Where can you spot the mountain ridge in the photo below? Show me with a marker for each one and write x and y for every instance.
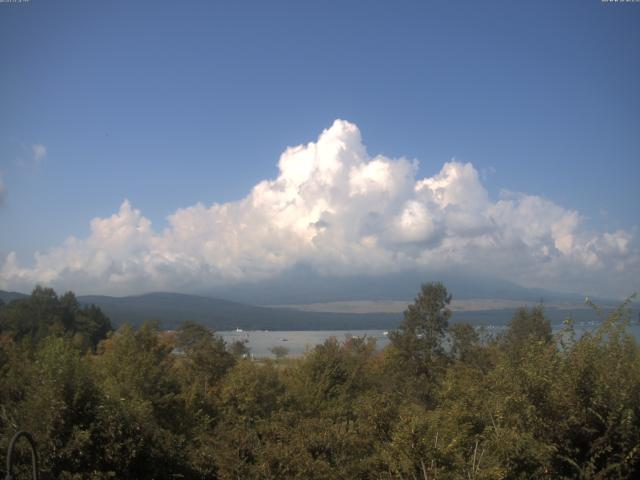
(171, 309)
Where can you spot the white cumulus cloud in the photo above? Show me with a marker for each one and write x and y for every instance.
(339, 210)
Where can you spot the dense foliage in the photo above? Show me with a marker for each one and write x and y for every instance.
(441, 401)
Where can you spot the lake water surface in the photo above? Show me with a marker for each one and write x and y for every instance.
(299, 341)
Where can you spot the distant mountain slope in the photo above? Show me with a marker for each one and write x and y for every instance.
(303, 286)
(7, 297)
(173, 308)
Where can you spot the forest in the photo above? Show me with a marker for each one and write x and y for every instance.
(444, 400)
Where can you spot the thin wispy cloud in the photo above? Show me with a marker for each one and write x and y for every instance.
(39, 151)
(3, 190)
(341, 211)
(30, 155)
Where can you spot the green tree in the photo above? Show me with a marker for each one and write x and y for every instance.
(53, 395)
(598, 436)
(418, 354)
(205, 358)
(239, 349)
(527, 326)
(43, 313)
(251, 394)
(279, 351)
(141, 419)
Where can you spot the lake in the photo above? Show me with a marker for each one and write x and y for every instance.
(300, 341)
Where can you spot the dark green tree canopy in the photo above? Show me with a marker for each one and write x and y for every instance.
(425, 324)
(205, 353)
(445, 402)
(528, 325)
(43, 313)
(418, 345)
(429, 314)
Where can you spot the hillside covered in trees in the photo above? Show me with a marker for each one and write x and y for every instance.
(442, 401)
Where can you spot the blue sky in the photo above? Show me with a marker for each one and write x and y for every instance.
(168, 104)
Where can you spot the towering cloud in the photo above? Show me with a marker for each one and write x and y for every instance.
(340, 211)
